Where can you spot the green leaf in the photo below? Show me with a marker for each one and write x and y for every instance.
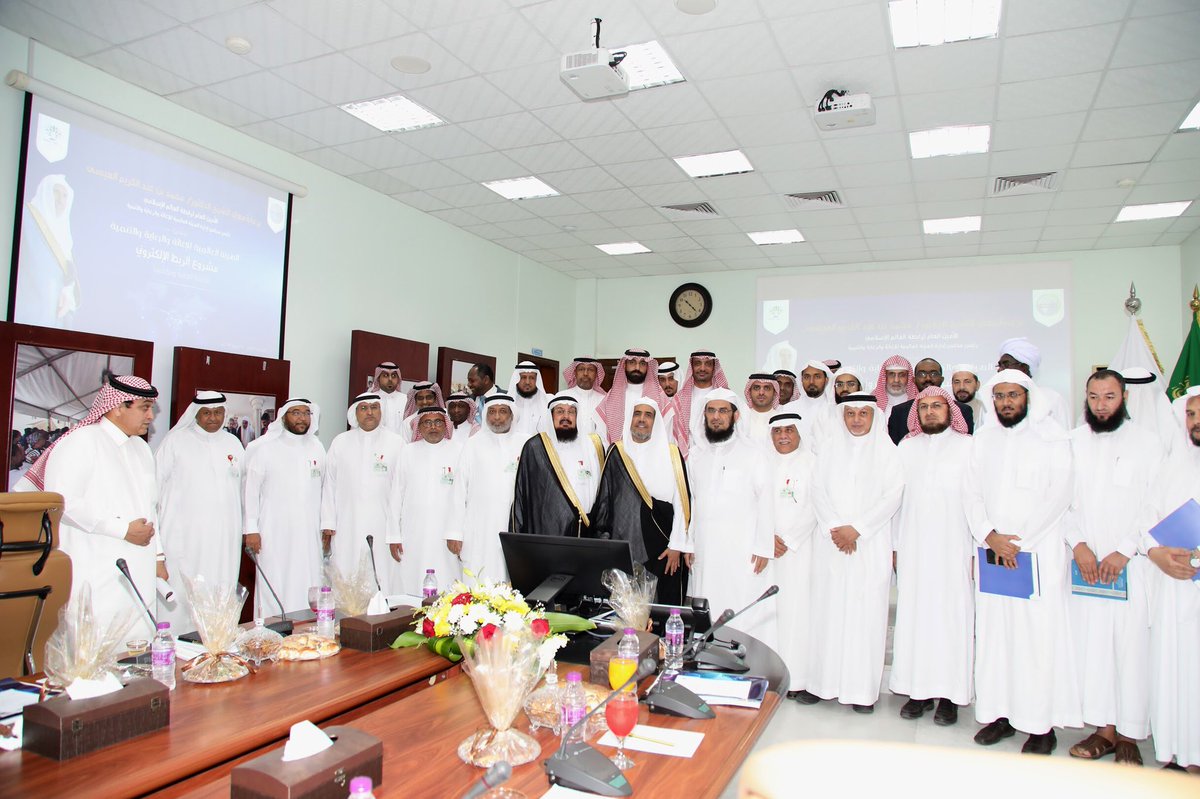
(446, 647)
(568, 623)
(408, 638)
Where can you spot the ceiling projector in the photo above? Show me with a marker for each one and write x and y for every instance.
(839, 111)
(594, 74)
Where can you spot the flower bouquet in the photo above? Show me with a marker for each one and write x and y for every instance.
(504, 666)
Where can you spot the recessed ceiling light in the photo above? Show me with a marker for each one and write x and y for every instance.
(1126, 183)
(957, 224)
(394, 113)
(955, 140)
(791, 236)
(648, 65)
(1193, 119)
(1133, 213)
(410, 64)
(237, 44)
(696, 7)
(922, 23)
(623, 248)
(731, 162)
(521, 188)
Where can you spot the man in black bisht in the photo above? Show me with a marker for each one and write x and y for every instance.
(643, 499)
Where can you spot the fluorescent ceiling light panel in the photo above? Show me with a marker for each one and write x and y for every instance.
(623, 248)
(955, 140)
(1133, 213)
(521, 188)
(957, 224)
(648, 65)
(731, 162)
(1193, 119)
(924, 23)
(394, 113)
(762, 237)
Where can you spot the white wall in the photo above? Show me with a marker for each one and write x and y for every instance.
(358, 258)
(635, 309)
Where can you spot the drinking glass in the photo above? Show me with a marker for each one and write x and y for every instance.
(621, 713)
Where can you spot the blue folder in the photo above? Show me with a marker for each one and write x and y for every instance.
(1180, 529)
(1022, 582)
(1117, 589)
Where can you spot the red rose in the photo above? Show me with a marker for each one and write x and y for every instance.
(487, 631)
(540, 627)
(464, 598)
(427, 628)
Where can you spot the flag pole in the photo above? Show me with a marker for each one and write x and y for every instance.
(1133, 307)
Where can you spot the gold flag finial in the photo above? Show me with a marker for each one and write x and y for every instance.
(1195, 303)
(1133, 304)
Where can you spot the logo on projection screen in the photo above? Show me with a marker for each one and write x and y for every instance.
(53, 136)
(775, 316)
(1048, 307)
(276, 214)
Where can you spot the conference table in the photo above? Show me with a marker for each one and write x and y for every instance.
(419, 705)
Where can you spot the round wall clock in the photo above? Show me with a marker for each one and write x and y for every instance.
(690, 305)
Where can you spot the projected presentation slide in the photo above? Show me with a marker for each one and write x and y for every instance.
(124, 236)
(957, 316)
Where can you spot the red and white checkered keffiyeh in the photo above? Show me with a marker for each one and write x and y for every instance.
(569, 373)
(683, 399)
(110, 396)
(411, 406)
(415, 422)
(893, 364)
(386, 366)
(957, 423)
(761, 377)
(612, 407)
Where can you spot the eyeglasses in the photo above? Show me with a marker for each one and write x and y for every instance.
(719, 411)
(432, 423)
(932, 406)
(930, 373)
(298, 412)
(1012, 395)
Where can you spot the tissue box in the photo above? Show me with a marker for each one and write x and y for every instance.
(62, 728)
(373, 633)
(647, 643)
(325, 775)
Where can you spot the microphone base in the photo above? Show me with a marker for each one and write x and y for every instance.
(283, 626)
(672, 699)
(583, 768)
(718, 660)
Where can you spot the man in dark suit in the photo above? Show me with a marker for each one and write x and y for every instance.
(927, 372)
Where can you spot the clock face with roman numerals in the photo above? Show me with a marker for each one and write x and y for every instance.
(690, 305)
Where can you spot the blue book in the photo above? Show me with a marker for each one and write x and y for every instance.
(1022, 582)
(1117, 589)
(1180, 529)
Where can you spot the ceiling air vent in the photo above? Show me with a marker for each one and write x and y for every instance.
(1025, 184)
(814, 199)
(692, 209)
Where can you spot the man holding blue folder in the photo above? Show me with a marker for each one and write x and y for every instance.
(1116, 463)
(1017, 492)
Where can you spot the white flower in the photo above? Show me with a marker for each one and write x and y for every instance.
(456, 613)
(466, 626)
(513, 621)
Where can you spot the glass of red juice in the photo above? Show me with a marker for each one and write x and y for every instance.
(621, 713)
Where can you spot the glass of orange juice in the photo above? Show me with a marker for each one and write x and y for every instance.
(620, 670)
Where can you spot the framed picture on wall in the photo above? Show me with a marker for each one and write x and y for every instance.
(453, 365)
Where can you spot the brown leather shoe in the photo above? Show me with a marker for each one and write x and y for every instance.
(1042, 744)
(1128, 753)
(995, 732)
(1093, 747)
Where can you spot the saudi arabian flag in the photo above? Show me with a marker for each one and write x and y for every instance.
(1187, 368)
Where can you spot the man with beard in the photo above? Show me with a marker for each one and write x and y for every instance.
(481, 381)
(557, 476)
(629, 385)
(392, 401)
(283, 506)
(461, 409)
(1024, 356)
(935, 609)
(1017, 493)
(529, 397)
(425, 394)
(1116, 465)
(357, 497)
(856, 493)
(425, 502)
(845, 384)
(704, 375)
(668, 378)
(894, 385)
(762, 398)
(927, 372)
(786, 379)
(643, 499)
(1175, 619)
(584, 376)
(814, 402)
(964, 384)
(733, 524)
(483, 491)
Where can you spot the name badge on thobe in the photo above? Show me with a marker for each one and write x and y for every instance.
(447, 476)
(787, 492)
(511, 468)
(314, 470)
(234, 471)
(584, 472)
(380, 466)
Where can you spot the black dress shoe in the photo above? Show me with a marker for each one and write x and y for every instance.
(1042, 744)
(947, 713)
(804, 697)
(863, 708)
(995, 732)
(915, 708)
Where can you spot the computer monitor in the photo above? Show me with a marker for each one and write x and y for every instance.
(543, 566)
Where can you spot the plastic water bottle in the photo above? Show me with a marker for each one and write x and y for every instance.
(162, 656)
(429, 585)
(325, 612)
(362, 788)
(628, 650)
(674, 641)
(574, 708)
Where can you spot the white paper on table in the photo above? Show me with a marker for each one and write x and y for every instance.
(560, 792)
(305, 740)
(378, 605)
(658, 741)
(7, 743)
(89, 689)
(396, 600)
(186, 650)
(14, 700)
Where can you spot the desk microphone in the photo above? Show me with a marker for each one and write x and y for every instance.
(284, 626)
(375, 571)
(582, 767)
(498, 773)
(700, 652)
(124, 567)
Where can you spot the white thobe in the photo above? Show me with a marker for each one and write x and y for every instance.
(1019, 483)
(483, 497)
(529, 412)
(425, 503)
(361, 471)
(934, 643)
(582, 466)
(859, 484)
(791, 492)
(1059, 410)
(588, 421)
(200, 513)
(732, 521)
(757, 425)
(107, 481)
(283, 505)
(391, 407)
